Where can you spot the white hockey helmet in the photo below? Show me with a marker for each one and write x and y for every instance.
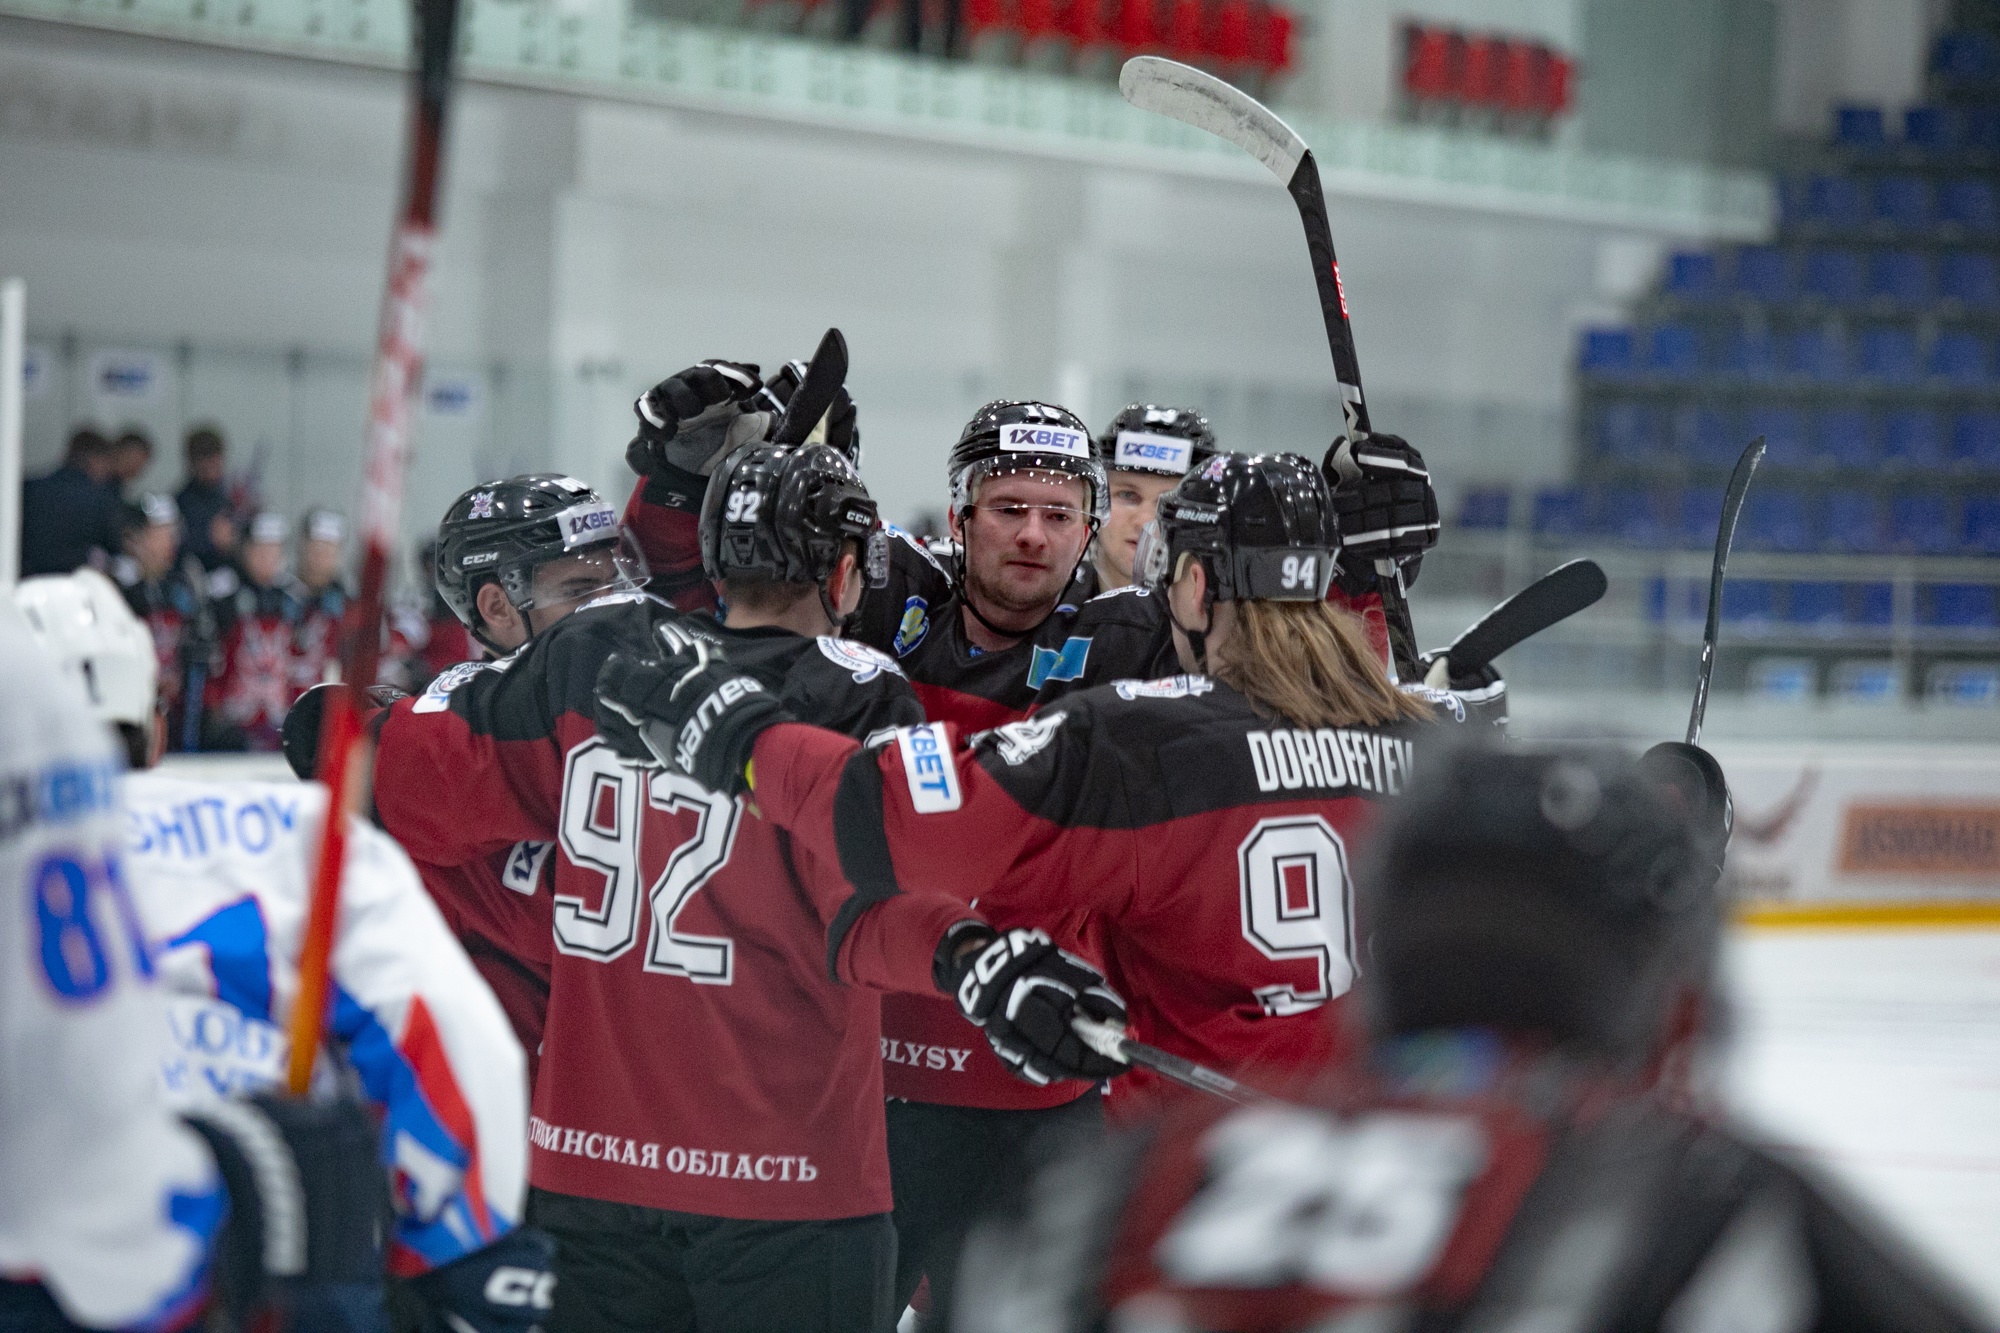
(83, 621)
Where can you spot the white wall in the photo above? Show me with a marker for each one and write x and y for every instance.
(1849, 51)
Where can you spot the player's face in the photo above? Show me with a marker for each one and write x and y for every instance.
(563, 584)
(1135, 499)
(319, 563)
(263, 562)
(153, 546)
(1024, 534)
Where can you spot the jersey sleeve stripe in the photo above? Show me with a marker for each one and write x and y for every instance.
(863, 845)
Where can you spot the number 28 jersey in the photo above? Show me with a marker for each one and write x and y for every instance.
(1200, 852)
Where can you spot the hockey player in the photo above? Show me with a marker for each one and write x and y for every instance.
(1197, 832)
(322, 597)
(1544, 931)
(158, 594)
(1145, 452)
(253, 686)
(217, 873)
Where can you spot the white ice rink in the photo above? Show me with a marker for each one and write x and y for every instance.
(1878, 1052)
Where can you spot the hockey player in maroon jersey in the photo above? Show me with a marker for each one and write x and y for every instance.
(1196, 831)
(253, 687)
(164, 597)
(322, 597)
(1145, 451)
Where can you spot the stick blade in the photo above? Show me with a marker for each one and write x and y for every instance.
(816, 392)
(1550, 599)
(1195, 97)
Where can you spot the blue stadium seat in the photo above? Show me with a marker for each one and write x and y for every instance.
(1981, 533)
(1629, 432)
(1982, 126)
(1749, 352)
(1903, 202)
(1837, 277)
(1693, 275)
(1704, 437)
(1856, 126)
(1842, 437)
(1633, 515)
(1821, 605)
(1561, 512)
(1966, 56)
(1961, 358)
(1762, 273)
(1899, 277)
(1784, 432)
(1486, 508)
(1836, 202)
(1912, 438)
(1871, 605)
(1816, 353)
(1975, 441)
(1934, 129)
(1968, 278)
(1957, 606)
(1674, 351)
(1969, 203)
(1774, 520)
(1700, 515)
(1750, 602)
(1607, 352)
(1888, 354)
(1849, 522)
(1920, 524)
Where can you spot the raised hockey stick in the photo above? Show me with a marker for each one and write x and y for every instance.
(399, 364)
(1184, 93)
(1554, 597)
(1113, 1043)
(1725, 537)
(816, 391)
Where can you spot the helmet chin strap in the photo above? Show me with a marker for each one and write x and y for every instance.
(1197, 638)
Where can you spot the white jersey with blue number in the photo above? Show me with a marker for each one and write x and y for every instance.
(105, 1197)
(220, 871)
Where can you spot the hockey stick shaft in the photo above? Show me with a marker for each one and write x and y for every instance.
(398, 371)
(1113, 1043)
(1725, 537)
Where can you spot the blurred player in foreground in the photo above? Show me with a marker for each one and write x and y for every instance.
(1517, 1153)
(217, 873)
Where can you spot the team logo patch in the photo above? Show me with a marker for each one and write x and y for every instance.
(1214, 469)
(1066, 663)
(437, 695)
(1045, 440)
(916, 624)
(524, 866)
(482, 505)
(1173, 687)
(859, 658)
(1144, 451)
(928, 767)
(1018, 742)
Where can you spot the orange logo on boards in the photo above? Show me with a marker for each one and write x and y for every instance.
(1920, 839)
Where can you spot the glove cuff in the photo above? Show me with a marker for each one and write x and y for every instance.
(947, 966)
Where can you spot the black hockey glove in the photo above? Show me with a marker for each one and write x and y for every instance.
(1388, 509)
(1478, 698)
(1024, 991)
(688, 423)
(842, 429)
(507, 1287)
(298, 737)
(308, 1200)
(690, 711)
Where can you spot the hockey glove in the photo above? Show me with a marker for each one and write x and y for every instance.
(507, 1287)
(298, 737)
(1477, 698)
(691, 711)
(308, 1199)
(1024, 991)
(841, 431)
(1388, 509)
(689, 422)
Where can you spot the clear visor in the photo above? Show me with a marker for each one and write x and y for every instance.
(875, 556)
(1150, 563)
(575, 577)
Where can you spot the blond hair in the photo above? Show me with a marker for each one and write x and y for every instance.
(1310, 663)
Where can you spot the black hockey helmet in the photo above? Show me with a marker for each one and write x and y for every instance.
(784, 513)
(501, 531)
(1146, 437)
(1007, 436)
(1561, 893)
(1262, 526)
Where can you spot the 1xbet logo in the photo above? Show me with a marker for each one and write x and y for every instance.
(1042, 438)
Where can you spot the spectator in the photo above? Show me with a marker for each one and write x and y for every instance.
(131, 455)
(70, 518)
(204, 501)
(322, 596)
(174, 609)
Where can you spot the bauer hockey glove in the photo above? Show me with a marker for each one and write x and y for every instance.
(689, 422)
(691, 711)
(1024, 991)
(1387, 507)
(842, 430)
(1477, 698)
(507, 1287)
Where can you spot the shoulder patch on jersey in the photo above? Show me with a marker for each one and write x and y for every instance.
(524, 866)
(1018, 742)
(1444, 699)
(1065, 663)
(865, 662)
(1129, 590)
(1173, 687)
(437, 695)
(928, 767)
(916, 624)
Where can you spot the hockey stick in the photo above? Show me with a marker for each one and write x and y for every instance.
(1725, 537)
(1554, 597)
(1181, 92)
(1113, 1043)
(816, 392)
(399, 362)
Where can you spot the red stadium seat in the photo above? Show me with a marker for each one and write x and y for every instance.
(1134, 28)
(1232, 45)
(1184, 31)
(1427, 68)
(1274, 51)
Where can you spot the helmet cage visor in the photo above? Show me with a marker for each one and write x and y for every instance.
(1097, 497)
(611, 562)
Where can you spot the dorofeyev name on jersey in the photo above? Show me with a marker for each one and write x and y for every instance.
(1331, 757)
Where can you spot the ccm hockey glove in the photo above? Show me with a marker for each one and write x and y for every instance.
(1477, 698)
(690, 711)
(1024, 991)
(1388, 509)
(507, 1287)
(689, 422)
